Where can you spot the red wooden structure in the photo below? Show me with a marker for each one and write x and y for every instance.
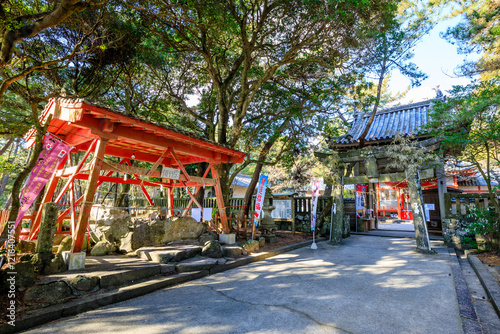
(102, 132)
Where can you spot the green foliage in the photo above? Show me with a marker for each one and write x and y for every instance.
(468, 242)
(407, 155)
(478, 32)
(484, 221)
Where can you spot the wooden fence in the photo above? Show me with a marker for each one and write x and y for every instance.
(457, 206)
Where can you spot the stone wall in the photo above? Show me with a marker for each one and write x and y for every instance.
(455, 233)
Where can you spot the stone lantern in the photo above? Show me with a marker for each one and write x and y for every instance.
(267, 226)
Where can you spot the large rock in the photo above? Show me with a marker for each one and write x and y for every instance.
(47, 294)
(41, 260)
(58, 238)
(102, 248)
(212, 249)
(112, 224)
(84, 283)
(207, 236)
(26, 246)
(24, 277)
(55, 266)
(159, 232)
(65, 244)
(250, 245)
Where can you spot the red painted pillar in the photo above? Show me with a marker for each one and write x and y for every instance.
(170, 196)
(88, 200)
(220, 201)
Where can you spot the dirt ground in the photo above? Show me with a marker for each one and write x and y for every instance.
(489, 258)
(286, 238)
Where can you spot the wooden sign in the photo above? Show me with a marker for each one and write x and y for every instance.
(170, 173)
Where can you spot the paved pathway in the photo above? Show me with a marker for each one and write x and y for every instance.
(367, 285)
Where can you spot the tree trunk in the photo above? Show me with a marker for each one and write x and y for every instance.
(202, 167)
(6, 146)
(258, 168)
(375, 107)
(6, 177)
(417, 206)
(18, 182)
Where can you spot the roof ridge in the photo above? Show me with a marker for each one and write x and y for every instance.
(401, 107)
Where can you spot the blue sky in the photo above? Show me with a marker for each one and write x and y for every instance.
(437, 58)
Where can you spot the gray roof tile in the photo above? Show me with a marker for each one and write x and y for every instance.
(405, 120)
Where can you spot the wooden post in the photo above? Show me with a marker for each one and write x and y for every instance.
(293, 214)
(170, 199)
(417, 206)
(220, 201)
(338, 200)
(442, 189)
(88, 201)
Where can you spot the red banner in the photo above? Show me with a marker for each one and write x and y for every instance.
(52, 153)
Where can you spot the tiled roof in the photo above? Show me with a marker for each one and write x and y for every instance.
(241, 180)
(405, 119)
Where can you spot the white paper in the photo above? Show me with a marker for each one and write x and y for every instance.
(207, 214)
(196, 214)
(430, 206)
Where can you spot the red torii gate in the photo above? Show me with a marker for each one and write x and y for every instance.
(104, 132)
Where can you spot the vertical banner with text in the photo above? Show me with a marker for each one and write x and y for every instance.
(361, 190)
(259, 201)
(53, 152)
(315, 184)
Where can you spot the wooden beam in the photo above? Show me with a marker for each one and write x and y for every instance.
(112, 166)
(181, 167)
(77, 170)
(83, 219)
(157, 163)
(220, 200)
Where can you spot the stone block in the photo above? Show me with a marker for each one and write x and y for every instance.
(196, 264)
(75, 261)
(167, 269)
(212, 249)
(232, 251)
(227, 239)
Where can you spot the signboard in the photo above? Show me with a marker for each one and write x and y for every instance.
(283, 209)
(170, 173)
(259, 201)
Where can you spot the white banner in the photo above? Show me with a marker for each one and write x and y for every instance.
(316, 183)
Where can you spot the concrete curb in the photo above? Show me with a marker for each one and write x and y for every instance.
(489, 283)
(87, 303)
(468, 316)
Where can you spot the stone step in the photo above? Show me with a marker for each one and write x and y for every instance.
(197, 264)
(169, 254)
